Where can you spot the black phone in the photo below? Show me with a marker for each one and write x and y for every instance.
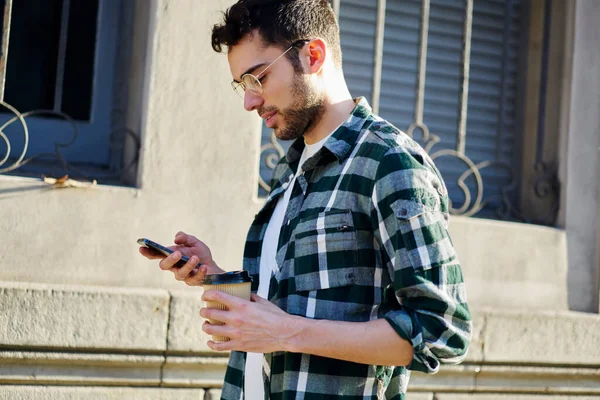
(162, 250)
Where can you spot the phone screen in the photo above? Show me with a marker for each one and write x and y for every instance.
(162, 250)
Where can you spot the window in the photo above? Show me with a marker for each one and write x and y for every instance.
(64, 72)
(491, 133)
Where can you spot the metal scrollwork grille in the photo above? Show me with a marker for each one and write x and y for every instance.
(15, 131)
(57, 158)
(465, 177)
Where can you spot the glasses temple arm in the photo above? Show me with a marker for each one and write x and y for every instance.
(273, 62)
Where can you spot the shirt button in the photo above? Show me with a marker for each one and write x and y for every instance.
(438, 187)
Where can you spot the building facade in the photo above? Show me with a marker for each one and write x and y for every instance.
(120, 123)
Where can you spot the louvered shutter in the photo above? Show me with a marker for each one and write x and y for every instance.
(491, 127)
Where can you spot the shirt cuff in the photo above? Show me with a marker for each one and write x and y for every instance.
(409, 328)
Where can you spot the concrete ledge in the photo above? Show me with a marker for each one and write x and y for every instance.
(84, 369)
(213, 394)
(185, 325)
(511, 379)
(50, 316)
(87, 370)
(53, 317)
(194, 371)
(419, 396)
(96, 393)
(534, 338)
(532, 274)
(487, 396)
(17, 367)
(78, 336)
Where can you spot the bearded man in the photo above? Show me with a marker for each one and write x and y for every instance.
(355, 278)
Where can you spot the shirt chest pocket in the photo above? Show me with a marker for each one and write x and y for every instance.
(325, 251)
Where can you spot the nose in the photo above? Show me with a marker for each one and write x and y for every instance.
(252, 101)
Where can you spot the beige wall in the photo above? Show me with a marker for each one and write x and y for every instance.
(581, 197)
(196, 173)
(69, 264)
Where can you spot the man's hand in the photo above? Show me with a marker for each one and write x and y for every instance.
(193, 248)
(259, 326)
(256, 326)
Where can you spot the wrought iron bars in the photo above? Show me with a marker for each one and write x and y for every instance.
(473, 193)
(118, 131)
(5, 37)
(3, 62)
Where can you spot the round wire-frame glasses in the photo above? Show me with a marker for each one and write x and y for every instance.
(252, 83)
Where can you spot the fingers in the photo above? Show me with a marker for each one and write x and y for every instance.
(197, 275)
(239, 324)
(183, 239)
(230, 301)
(191, 267)
(214, 314)
(191, 273)
(221, 346)
(257, 299)
(169, 262)
(149, 254)
(221, 330)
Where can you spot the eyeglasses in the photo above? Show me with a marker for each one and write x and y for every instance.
(252, 83)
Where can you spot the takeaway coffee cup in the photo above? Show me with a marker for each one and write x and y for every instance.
(235, 283)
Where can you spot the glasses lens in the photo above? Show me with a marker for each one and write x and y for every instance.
(252, 83)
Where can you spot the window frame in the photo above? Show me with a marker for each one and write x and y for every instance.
(117, 122)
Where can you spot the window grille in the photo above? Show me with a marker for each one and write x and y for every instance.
(445, 72)
(60, 112)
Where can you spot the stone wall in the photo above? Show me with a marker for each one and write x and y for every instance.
(83, 315)
(111, 343)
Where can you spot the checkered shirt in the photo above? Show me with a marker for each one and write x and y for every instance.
(365, 236)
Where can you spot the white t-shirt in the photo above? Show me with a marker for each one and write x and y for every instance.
(253, 381)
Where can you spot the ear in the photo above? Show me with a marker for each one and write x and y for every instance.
(316, 54)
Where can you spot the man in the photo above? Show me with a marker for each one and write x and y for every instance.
(356, 281)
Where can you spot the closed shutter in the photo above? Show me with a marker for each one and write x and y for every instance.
(491, 113)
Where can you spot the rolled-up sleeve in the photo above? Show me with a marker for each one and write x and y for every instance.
(411, 206)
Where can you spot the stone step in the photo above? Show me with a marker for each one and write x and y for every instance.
(97, 336)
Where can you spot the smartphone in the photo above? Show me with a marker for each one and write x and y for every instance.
(162, 250)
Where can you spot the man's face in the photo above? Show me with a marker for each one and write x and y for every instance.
(290, 103)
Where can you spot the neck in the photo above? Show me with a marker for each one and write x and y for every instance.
(338, 105)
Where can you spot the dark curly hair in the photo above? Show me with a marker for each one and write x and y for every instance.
(280, 22)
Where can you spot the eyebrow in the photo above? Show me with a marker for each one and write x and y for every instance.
(251, 69)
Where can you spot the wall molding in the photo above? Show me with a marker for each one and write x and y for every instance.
(151, 338)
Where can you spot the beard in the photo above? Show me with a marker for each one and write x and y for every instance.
(306, 110)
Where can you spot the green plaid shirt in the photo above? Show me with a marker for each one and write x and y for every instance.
(364, 237)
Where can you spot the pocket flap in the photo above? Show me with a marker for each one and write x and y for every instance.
(407, 209)
(325, 223)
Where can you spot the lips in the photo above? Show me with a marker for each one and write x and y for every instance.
(269, 118)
